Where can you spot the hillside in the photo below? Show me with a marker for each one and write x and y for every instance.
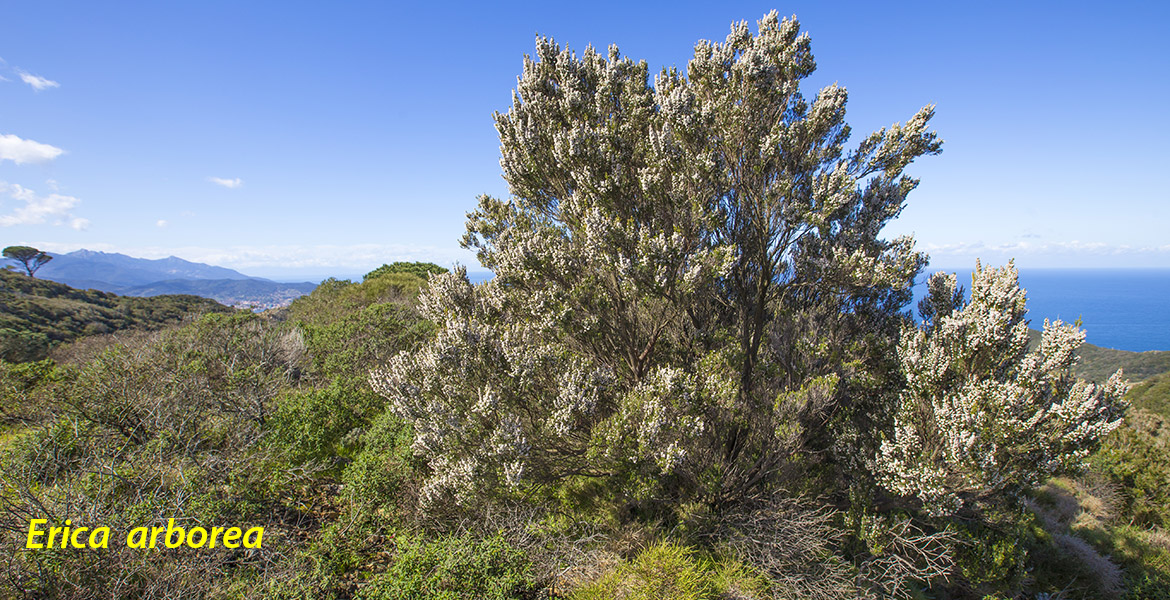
(36, 315)
(1097, 363)
(1153, 394)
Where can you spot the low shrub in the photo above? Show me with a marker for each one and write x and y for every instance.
(452, 568)
(669, 570)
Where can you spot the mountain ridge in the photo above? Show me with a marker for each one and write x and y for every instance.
(120, 269)
(131, 276)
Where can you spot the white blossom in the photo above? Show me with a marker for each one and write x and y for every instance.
(981, 415)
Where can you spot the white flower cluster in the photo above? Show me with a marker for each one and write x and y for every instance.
(981, 415)
(487, 401)
(661, 419)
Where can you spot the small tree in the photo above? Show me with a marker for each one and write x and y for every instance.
(31, 258)
(982, 418)
(690, 281)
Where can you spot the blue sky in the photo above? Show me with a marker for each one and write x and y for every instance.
(298, 140)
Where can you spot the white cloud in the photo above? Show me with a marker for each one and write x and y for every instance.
(1027, 248)
(56, 209)
(161, 223)
(227, 183)
(22, 151)
(1072, 253)
(37, 82)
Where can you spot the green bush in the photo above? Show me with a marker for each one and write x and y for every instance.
(383, 470)
(993, 555)
(312, 424)
(21, 346)
(420, 270)
(27, 391)
(351, 344)
(1137, 457)
(452, 568)
(668, 570)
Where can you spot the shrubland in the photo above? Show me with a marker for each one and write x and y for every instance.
(39, 315)
(694, 375)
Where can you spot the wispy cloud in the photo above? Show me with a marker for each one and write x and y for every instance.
(1027, 248)
(20, 151)
(161, 223)
(227, 183)
(37, 82)
(1072, 253)
(56, 209)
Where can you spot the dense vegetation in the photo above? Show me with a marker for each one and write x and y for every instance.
(37, 315)
(694, 376)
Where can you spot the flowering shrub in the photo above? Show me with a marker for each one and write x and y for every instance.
(689, 281)
(981, 415)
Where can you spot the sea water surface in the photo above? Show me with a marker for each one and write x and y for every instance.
(1126, 309)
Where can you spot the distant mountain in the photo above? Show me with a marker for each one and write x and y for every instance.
(129, 276)
(118, 270)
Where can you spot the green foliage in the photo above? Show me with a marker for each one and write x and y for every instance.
(452, 568)
(21, 346)
(27, 390)
(312, 424)
(354, 341)
(380, 478)
(668, 570)
(993, 556)
(418, 269)
(1137, 457)
(52, 451)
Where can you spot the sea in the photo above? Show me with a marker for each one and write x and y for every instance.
(1125, 309)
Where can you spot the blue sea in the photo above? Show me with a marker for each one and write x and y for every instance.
(1126, 309)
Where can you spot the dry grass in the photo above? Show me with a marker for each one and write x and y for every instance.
(1102, 571)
